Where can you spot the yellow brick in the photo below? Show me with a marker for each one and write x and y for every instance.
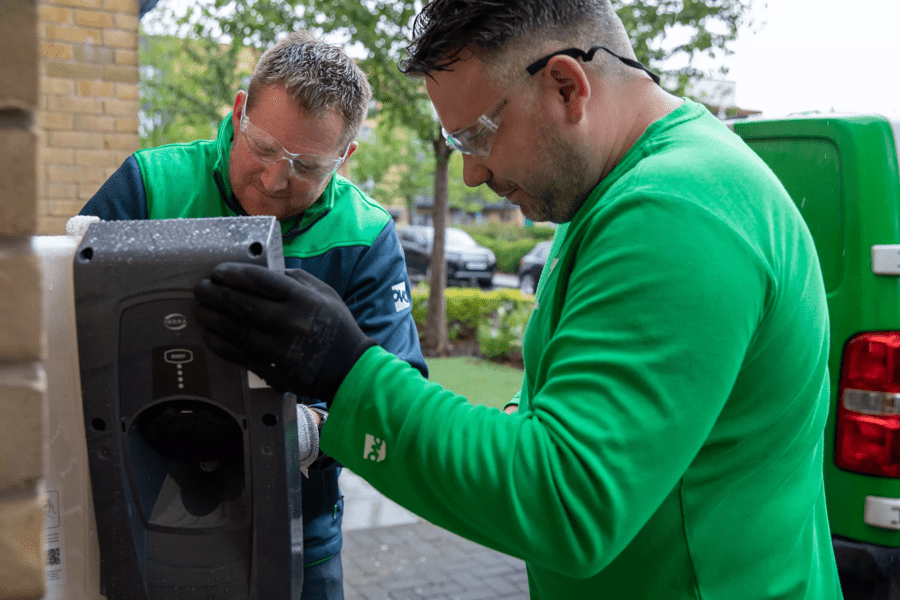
(52, 120)
(93, 18)
(52, 225)
(127, 91)
(75, 139)
(99, 158)
(62, 191)
(127, 125)
(81, 3)
(93, 54)
(57, 86)
(122, 108)
(19, 55)
(86, 191)
(21, 547)
(18, 185)
(56, 156)
(73, 34)
(73, 70)
(22, 386)
(119, 38)
(65, 208)
(59, 51)
(121, 74)
(127, 142)
(125, 6)
(129, 22)
(20, 307)
(75, 174)
(95, 88)
(55, 14)
(75, 105)
(92, 123)
(127, 57)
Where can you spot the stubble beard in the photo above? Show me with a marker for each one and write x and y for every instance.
(565, 187)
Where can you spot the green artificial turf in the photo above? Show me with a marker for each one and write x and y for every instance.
(480, 381)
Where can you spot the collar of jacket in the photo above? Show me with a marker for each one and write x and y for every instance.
(290, 227)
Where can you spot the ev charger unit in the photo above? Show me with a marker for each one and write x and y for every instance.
(194, 476)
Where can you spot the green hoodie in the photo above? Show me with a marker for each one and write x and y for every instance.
(669, 439)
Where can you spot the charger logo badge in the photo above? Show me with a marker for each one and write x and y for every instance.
(375, 448)
(175, 321)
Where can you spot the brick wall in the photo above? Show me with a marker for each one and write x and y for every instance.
(22, 387)
(89, 101)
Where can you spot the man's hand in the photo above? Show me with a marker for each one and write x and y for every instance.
(293, 331)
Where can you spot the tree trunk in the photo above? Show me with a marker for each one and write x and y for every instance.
(436, 338)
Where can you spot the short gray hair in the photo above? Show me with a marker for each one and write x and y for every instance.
(319, 77)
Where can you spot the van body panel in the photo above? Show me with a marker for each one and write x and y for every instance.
(842, 173)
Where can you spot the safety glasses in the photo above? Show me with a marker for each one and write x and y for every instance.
(476, 139)
(267, 150)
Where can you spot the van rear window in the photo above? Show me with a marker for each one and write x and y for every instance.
(816, 190)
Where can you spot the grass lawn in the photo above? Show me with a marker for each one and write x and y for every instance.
(480, 381)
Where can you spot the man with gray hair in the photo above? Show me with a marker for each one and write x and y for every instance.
(668, 441)
(277, 154)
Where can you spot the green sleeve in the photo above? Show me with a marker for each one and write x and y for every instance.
(514, 401)
(629, 373)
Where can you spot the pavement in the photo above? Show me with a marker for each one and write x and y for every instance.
(391, 554)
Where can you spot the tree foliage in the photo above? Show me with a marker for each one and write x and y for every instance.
(664, 32)
(391, 165)
(185, 88)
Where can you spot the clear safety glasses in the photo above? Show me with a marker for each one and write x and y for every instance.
(267, 150)
(476, 139)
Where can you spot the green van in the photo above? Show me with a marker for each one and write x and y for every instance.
(842, 173)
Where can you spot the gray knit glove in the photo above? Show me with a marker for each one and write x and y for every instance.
(307, 438)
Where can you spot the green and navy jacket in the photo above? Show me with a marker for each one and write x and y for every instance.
(345, 239)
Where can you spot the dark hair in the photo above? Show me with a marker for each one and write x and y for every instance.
(445, 28)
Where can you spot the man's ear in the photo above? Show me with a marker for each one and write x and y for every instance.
(570, 81)
(239, 105)
(353, 146)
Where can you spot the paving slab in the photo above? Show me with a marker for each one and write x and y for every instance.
(391, 554)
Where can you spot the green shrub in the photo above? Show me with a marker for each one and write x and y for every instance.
(509, 242)
(510, 253)
(496, 319)
(509, 231)
(502, 333)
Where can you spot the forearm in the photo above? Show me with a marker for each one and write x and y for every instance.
(470, 469)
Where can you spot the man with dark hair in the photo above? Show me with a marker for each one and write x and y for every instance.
(669, 439)
(277, 154)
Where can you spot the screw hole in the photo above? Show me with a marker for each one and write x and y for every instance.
(269, 420)
(98, 424)
(256, 249)
(87, 254)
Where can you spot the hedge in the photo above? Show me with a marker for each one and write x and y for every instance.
(496, 319)
(509, 242)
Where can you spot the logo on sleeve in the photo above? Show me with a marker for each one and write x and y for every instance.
(375, 449)
(401, 296)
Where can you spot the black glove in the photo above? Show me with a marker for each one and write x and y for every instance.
(293, 331)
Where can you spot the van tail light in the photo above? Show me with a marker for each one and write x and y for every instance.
(868, 414)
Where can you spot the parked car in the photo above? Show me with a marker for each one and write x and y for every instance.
(467, 260)
(842, 173)
(531, 266)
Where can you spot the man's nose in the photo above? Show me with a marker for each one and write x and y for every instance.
(275, 176)
(475, 172)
